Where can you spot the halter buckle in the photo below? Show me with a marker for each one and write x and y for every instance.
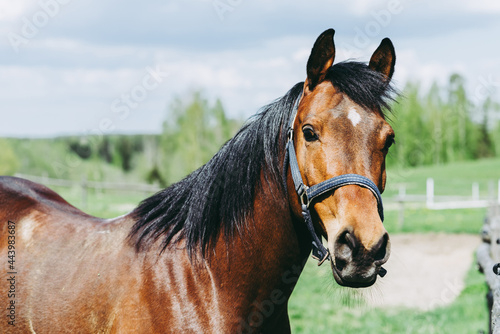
(302, 192)
(326, 257)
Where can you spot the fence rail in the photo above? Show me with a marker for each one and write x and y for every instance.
(488, 257)
(139, 187)
(398, 202)
(85, 185)
(438, 202)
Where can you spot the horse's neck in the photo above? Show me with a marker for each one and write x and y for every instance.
(267, 260)
(247, 281)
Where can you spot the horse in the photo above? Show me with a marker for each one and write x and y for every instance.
(221, 250)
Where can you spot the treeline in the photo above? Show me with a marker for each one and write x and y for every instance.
(74, 157)
(441, 125)
(192, 133)
(117, 150)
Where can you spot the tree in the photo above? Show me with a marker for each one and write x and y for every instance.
(125, 151)
(485, 145)
(154, 176)
(193, 132)
(9, 164)
(81, 147)
(105, 150)
(414, 142)
(441, 125)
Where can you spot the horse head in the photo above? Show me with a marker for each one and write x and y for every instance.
(340, 129)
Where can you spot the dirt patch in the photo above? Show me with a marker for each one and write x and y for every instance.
(425, 270)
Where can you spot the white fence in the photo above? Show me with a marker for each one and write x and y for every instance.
(399, 202)
(432, 201)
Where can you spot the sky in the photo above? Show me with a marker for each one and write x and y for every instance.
(77, 67)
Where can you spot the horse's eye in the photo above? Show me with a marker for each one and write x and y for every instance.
(388, 142)
(309, 133)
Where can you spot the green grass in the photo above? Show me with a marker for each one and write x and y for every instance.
(318, 306)
(451, 179)
(447, 221)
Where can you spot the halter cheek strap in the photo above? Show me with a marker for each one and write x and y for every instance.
(308, 194)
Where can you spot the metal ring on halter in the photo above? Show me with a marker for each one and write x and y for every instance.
(302, 192)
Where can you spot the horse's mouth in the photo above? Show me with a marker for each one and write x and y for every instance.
(356, 280)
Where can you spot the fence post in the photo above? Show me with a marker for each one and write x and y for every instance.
(401, 200)
(430, 192)
(84, 187)
(498, 193)
(475, 191)
(402, 190)
(494, 222)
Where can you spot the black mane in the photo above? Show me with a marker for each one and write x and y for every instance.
(218, 197)
(364, 86)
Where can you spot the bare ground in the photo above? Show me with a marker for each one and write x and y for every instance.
(425, 270)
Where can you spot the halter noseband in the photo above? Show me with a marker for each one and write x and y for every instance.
(308, 194)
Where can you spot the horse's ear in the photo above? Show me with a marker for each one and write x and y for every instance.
(321, 58)
(384, 59)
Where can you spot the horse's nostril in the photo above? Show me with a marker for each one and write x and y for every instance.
(348, 239)
(351, 240)
(346, 246)
(380, 249)
(340, 263)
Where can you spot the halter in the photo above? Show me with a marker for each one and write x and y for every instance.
(308, 194)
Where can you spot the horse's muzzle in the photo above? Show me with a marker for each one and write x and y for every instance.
(355, 266)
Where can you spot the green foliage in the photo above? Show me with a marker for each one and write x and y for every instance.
(125, 150)
(53, 158)
(490, 133)
(154, 176)
(44, 156)
(81, 147)
(105, 150)
(412, 137)
(192, 134)
(9, 162)
(495, 138)
(435, 127)
(441, 126)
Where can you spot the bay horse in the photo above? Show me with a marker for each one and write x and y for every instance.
(221, 250)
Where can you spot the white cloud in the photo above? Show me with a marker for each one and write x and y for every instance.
(12, 11)
(364, 7)
(477, 6)
(92, 52)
